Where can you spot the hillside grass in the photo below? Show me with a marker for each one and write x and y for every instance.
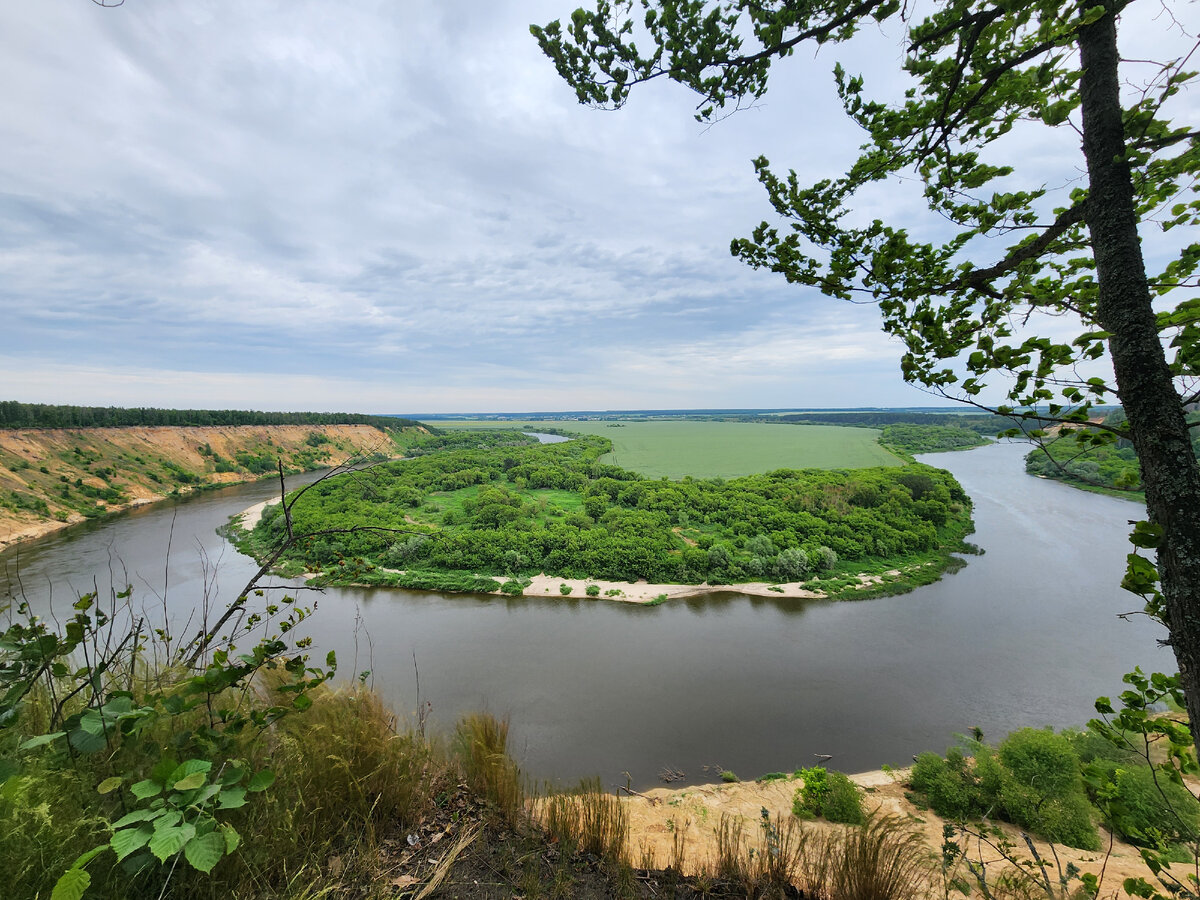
(705, 449)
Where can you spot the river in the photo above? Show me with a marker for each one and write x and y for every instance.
(1027, 634)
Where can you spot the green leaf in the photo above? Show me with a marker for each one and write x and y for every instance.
(168, 841)
(130, 840)
(232, 775)
(163, 768)
(232, 838)
(232, 798)
(1146, 535)
(186, 768)
(206, 851)
(191, 782)
(138, 815)
(145, 789)
(41, 740)
(71, 885)
(108, 785)
(261, 781)
(86, 741)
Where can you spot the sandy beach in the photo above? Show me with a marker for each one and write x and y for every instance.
(645, 592)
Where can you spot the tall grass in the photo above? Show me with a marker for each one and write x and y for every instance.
(589, 820)
(481, 748)
(885, 859)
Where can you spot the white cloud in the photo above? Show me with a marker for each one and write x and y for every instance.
(402, 201)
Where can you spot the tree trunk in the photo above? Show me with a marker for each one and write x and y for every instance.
(1158, 429)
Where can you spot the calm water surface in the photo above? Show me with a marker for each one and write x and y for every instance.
(1024, 635)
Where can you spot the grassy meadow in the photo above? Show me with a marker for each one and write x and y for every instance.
(674, 448)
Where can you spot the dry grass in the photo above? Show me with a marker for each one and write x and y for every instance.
(589, 820)
(885, 859)
(481, 748)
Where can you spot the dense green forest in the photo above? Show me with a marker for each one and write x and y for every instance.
(554, 508)
(1073, 457)
(908, 438)
(39, 415)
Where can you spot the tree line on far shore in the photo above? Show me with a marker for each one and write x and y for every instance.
(14, 414)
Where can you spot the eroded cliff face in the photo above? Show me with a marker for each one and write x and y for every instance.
(50, 478)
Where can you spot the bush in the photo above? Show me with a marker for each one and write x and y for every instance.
(513, 587)
(947, 784)
(1144, 812)
(564, 589)
(1032, 780)
(828, 794)
(791, 564)
(729, 777)
(1041, 788)
(592, 590)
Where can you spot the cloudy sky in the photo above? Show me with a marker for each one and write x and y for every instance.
(396, 206)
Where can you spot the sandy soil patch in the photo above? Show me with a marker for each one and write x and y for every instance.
(658, 815)
(38, 462)
(646, 592)
(252, 515)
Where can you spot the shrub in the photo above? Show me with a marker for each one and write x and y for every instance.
(1041, 788)
(824, 559)
(844, 804)
(513, 587)
(948, 786)
(729, 777)
(791, 564)
(564, 589)
(828, 794)
(592, 590)
(1145, 812)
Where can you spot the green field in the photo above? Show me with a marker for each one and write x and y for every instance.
(675, 448)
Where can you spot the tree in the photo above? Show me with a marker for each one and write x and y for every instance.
(1019, 255)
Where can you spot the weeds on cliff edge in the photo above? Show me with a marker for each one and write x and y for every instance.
(884, 859)
(481, 747)
(589, 820)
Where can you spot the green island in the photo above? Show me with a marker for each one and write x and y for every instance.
(470, 507)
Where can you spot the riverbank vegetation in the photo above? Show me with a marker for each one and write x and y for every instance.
(910, 439)
(557, 509)
(1082, 457)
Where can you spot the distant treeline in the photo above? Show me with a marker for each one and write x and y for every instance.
(41, 415)
(983, 424)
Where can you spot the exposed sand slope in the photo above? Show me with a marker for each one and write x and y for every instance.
(695, 812)
(144, 464)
